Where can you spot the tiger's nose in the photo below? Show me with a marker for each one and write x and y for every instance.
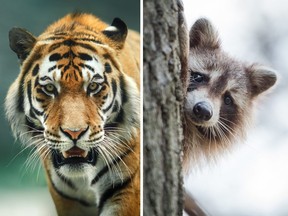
(74, 134)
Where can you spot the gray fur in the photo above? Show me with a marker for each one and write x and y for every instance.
(227, 80)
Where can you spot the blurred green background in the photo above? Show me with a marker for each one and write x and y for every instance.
(16, 180)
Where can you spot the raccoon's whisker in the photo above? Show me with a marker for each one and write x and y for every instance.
(222, 134)
(227, 128)
(213, 133)
(199, 135)
(218, 135)
(209, 132)
(228, 121)
(223, 128)
(210, 140)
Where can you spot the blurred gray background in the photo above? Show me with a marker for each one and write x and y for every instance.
(18, 183)
(252, 180)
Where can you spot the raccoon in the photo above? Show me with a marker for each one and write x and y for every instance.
(220, 96)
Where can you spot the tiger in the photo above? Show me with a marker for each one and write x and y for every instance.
(76, 102)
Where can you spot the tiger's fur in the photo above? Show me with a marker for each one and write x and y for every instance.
(76, 102)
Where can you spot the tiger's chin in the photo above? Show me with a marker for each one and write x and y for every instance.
(74, 162)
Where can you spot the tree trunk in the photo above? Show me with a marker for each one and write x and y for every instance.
(163, 98)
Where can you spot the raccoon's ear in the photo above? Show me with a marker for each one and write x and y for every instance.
(21, 42)
(262, 78)
(203, 34)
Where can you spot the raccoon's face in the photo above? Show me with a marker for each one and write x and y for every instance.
(221, 90)
(218, 95)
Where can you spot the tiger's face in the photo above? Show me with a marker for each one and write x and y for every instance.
(71, 101)
(76, 103)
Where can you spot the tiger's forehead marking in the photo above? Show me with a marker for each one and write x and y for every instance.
(49, 69)
(84, 68)
(70, 50)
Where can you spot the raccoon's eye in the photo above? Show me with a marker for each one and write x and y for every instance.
(228, 99)
(197, 77)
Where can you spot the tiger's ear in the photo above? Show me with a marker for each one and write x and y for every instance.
(117, 31)
(21, 42)
(262, 78)
(203, 34)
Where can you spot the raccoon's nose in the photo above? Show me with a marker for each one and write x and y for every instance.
(203, 111)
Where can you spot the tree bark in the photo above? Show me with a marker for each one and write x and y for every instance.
(163, 98)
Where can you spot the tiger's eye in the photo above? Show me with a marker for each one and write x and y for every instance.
(92, 86)
(50, 88)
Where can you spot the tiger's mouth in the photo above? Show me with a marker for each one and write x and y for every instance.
(74, 156)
